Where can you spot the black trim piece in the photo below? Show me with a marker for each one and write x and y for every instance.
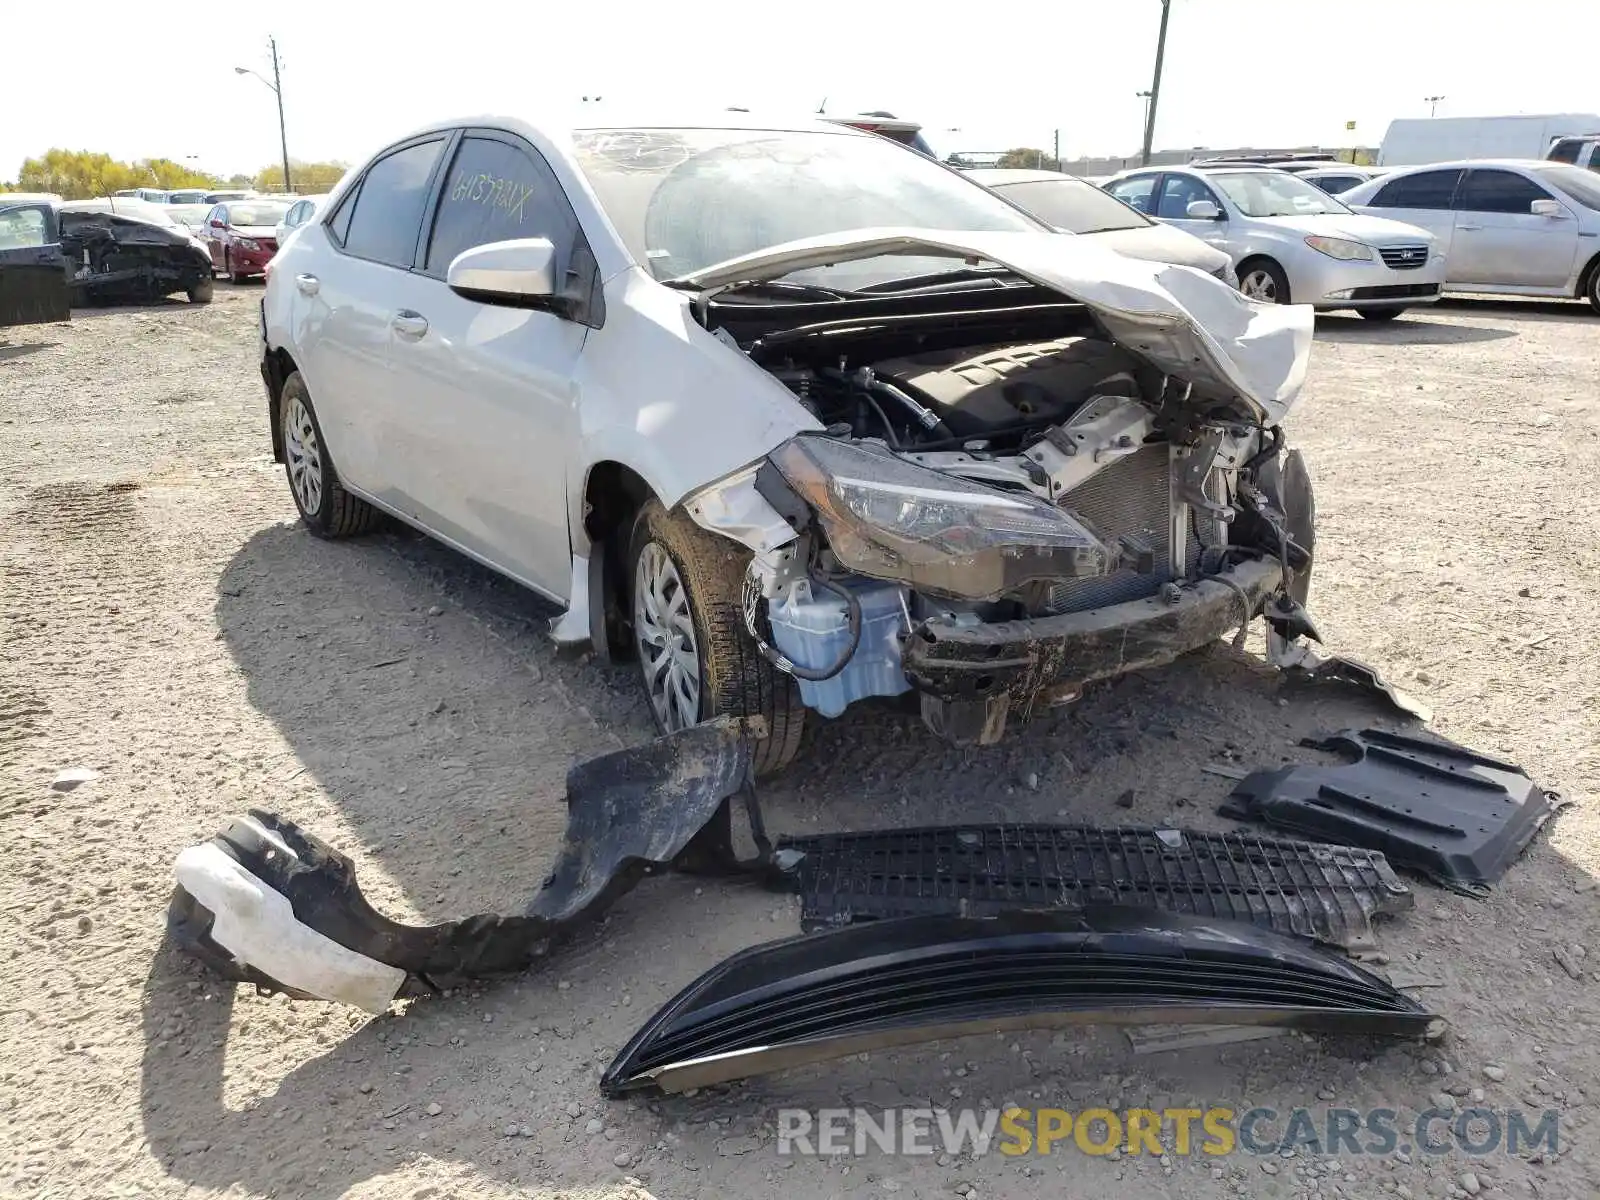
(1328, 893)
(1456, 816)
(913, 979)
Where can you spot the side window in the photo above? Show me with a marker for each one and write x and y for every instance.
(1498, 192)
(388, 210)
(1136, 192)
(1334, 184)
(22, 229)
(493, 192)
(1425, 189)
(1178, 193)
(1566, 150)
(339, 223)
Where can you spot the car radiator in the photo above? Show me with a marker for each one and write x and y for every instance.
(1131, 497)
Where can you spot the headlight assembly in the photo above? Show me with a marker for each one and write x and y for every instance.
(1343, 249)
(249, 244)
(890, 519)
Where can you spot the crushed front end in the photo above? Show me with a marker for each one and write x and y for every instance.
(1014, 494)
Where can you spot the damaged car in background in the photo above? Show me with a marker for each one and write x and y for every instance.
(56, 255)
(792, 414)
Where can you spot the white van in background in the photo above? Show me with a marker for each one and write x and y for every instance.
(1414, 141)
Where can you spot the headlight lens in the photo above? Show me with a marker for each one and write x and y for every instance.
(890, 519)
(249, 244)
(1341, 248)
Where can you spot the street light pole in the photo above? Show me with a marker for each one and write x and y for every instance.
(1433, 105)
(276, 84)
(1144, 102)
(1155, 85)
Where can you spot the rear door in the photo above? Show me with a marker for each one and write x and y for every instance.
(1137, 191)
(33, 273)
(1499, 240)
(1425, 199)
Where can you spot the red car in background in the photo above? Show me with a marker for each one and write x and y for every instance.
(242, 236)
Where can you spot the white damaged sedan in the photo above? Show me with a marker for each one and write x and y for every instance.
(791, 414)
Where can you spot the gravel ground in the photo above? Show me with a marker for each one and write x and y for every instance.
(169, 626)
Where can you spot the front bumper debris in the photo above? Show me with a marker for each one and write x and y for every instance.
(1327, 893)
(973, 677)
(1459, 817)
(266, 903)
(865, 987)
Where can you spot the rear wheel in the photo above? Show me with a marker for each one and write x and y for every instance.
(1264, 280)
(695, 655)
(1380, 314)
(327, 509)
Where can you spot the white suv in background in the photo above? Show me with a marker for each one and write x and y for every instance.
(1291, 242)
(1513, 227)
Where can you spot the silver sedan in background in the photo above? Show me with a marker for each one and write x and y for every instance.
(1074, 205)
(1290, 241)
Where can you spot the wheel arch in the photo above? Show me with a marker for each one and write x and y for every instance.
(1262, 256)
(276, 366)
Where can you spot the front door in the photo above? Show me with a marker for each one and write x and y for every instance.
(1499, 239)
(33, 274)
(486, 396)
(1172, 207)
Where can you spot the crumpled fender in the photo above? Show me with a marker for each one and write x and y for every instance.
(267, 903)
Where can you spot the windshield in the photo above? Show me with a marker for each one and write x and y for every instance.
(684, 199)
(1274, 194)
(1582, 186)
(1073, 205)
(256, 214)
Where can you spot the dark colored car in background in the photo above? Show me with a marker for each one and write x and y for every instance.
(33, 270)
(242, 236)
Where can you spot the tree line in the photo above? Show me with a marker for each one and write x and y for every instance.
(81, 174)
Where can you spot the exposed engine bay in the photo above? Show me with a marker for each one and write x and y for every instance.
(1002, 463)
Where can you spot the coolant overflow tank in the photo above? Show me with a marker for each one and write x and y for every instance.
(812, 628)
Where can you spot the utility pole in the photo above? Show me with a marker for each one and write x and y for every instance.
(276, 84)
(1058, 149)
(1155, 85)
(1433, 105)
(283, 135)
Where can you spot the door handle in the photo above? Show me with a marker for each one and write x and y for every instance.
(409, 324)
(309, 285)
(1468, 228)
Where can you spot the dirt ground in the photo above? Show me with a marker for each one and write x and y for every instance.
(167, 624)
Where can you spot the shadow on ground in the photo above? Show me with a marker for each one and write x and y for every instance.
(1405, 331)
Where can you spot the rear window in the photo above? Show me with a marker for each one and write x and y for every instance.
(256, 214)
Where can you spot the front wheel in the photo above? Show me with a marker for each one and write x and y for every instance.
(1265, 281)
(203, 292)
(326, 508)
(695, 655)
(1380, 314)
(1594, 287)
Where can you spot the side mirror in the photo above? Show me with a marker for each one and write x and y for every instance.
(520, 272)
(1203, 210)
(1547, 208)
(215, 224)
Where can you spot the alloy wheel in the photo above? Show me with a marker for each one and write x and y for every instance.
(663, 628)
(1259, 285)
(304, 455)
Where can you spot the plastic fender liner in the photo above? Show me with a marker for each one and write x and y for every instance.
(1459, 817)
(821, 996)
(1329, 893)
(267, 903)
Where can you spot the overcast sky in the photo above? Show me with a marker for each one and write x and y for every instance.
(157, 79)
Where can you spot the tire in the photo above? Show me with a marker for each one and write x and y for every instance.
(1592, 293)
(326, 508)
(203, 292)
(705, 578)
(1380, 314)
(1270, 284)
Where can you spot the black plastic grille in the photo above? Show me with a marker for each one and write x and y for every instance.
(1330, 893)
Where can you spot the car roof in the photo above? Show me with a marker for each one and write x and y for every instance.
(7, 199)
(1461, 163)
(994, 176)
(568, 122)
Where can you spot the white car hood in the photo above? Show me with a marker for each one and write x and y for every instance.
(1356, 226)
(1163, 243)
(1186, 323)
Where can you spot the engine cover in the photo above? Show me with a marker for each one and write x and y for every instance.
(977, 391)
